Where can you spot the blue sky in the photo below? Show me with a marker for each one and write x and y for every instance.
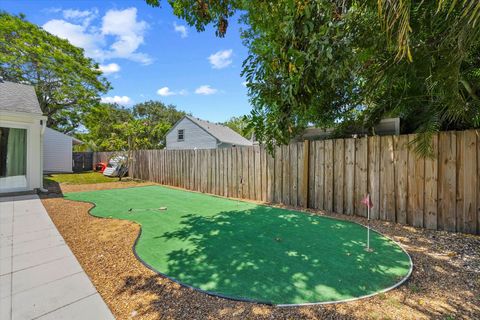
(148, 53)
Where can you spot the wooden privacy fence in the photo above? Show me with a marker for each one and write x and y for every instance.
(333, 175)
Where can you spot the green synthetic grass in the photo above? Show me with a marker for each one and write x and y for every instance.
(79, 178)
(247, 251)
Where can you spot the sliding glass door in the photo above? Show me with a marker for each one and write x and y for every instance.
(13, 159)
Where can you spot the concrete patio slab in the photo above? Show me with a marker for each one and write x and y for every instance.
(40, 278)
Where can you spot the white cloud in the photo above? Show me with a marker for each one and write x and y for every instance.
(165, 92)
(119, 35)
(109, 68)
(129, 34)
(221, 59)
(205, 90)
(123, 100)
(180, 29)
(85, 16)
(78, 36)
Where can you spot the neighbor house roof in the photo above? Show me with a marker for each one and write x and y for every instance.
(16, 97)
(220, 132)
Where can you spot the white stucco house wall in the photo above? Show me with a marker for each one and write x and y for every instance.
(22, 126)
(57, 151)
(193, 133)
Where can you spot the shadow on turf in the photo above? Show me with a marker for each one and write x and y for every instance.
(237, 252)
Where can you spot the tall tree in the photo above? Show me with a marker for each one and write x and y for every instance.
(240, 125)
(111, 127)
(66, 82)
(337, 62)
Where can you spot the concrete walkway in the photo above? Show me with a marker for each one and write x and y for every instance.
(40, 278)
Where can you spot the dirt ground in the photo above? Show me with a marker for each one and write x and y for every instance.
(445, 283)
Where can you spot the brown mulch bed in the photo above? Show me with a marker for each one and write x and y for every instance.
(445, 283)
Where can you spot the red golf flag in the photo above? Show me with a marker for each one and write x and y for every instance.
(366, 201)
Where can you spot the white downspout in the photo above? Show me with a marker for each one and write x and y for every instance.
(43, 123)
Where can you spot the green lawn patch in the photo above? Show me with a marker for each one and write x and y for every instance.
(79, 178)
(245, 251)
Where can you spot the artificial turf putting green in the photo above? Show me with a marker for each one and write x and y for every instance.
(245, 251)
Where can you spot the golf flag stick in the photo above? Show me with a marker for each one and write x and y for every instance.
(366, 201)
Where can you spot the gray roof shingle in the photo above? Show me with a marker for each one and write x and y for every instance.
(16, 97)
(222, 133)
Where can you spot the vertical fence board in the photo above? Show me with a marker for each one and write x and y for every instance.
(270, 167)
(306, 174)
(361, 175)
(349, 188)
(401, 177)
(300, 174)
(239, 172)
(329, 154)
(431, 187)
(320, 176)
(258, 174)
(311, 179)
(293, 174)
(286, 174)
(471, 175)
(338, 178)
(374, 175)
(263, 166)
(460, 172)
(387, 183)
(477, 133)
(447, 181)
(278, 175)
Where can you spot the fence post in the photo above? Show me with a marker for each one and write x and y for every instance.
(306, 166)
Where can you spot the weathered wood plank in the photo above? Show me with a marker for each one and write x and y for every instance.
(329, 154)
(293, 174)
(339, 178)
(374, 175)
(361, 175)
(246, 186)
(387, 181)
(278, 193)
(270, 177)
(349, 187)
(257, 174)
(263, 169)
(460, 174)
(305, 169)
(401, 177)
(470, 181)
(431, 187)
(416, 187)
(286, 174)
(320, 176)
(447, 181)
(311, 171)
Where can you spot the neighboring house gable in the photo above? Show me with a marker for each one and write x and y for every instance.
(194, 133)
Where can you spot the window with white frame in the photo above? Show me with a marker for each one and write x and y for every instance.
(181, 134)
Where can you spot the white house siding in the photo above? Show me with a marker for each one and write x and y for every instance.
(194, 137)
(57, 152)
(33, 124)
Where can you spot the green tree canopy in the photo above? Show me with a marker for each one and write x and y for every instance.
(110, 127)
(240, 125)
(66, 82)
(351, 63)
